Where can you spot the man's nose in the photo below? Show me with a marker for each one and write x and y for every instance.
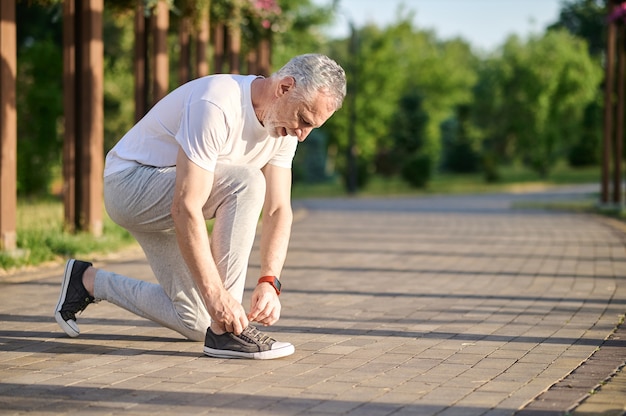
(302, 133)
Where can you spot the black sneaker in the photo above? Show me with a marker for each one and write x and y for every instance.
(74, 297)
(251, 343)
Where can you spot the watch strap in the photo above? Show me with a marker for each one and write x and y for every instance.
(272, 280)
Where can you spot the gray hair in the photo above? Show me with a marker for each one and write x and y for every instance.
(316, 73)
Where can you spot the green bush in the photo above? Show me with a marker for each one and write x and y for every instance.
(40, 111)
(362, 172)
(490, 167)
(417, 171)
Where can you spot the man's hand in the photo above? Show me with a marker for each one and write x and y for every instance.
(226, 313)
(264, 305)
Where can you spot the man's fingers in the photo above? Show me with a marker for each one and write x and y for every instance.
(257, 310)
(243, 322)
(233, 320)
(264, 307)
(267, 316)
(240, 323)
(270, 319)
(237, 325)
(228, 327)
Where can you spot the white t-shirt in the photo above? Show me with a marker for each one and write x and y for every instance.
(212, 119)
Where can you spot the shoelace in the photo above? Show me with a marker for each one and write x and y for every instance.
(67, 314)
(252, 334)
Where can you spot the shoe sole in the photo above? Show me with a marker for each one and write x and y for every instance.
(263, 355)
(57, 315)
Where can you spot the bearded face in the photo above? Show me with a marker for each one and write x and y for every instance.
(291, 115)
(270, 122)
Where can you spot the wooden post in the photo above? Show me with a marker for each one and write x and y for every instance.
(202, 42)
(184, 42)
(140, 63)
(218, 47)
(84, 113)
(234, 48)
(264, 56)
(608, 109)
(161, 64)
(8, 127)
(90, 145)
(619, 122)
(252, 61)
(69, 109)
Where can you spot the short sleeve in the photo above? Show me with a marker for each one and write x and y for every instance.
(203, 132)
(283, 158)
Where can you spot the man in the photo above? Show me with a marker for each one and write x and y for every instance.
(217, 147)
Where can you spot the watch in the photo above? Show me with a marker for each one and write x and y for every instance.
(272, 280)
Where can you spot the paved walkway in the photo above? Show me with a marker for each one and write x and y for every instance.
(443, 305)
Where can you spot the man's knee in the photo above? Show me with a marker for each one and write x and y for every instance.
(244, 182)
(251, 182)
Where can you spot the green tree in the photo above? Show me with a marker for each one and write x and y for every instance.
(409, 126)
(461, 142)
(445, 74)
(39, 96)
(537, 93)
(119, 104)
(586, 151)
(299, 30)
(585, 19)
(374, 85)
(388, 64)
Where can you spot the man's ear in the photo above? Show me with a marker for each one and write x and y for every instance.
(285, 84)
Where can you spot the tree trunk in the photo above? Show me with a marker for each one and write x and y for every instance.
(202, 42)
(141, 62)
(234, 48)
(8, 127)
(608, 108)
(84, 112)
(252, 61)
(161, 65)
(264, 65)
(184, 40)
(218, 47)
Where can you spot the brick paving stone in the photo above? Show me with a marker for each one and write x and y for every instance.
(418, 306)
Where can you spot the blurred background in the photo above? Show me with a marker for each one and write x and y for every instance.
(444, 95)
(466, 86)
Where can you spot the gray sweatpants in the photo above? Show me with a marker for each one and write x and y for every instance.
(139, 199)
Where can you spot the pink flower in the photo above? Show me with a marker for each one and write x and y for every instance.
(265, 12)
(269, 5)
(618, 13)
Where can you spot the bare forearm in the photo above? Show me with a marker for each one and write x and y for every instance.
(275, 233)
(193, 241)
(193, 188)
